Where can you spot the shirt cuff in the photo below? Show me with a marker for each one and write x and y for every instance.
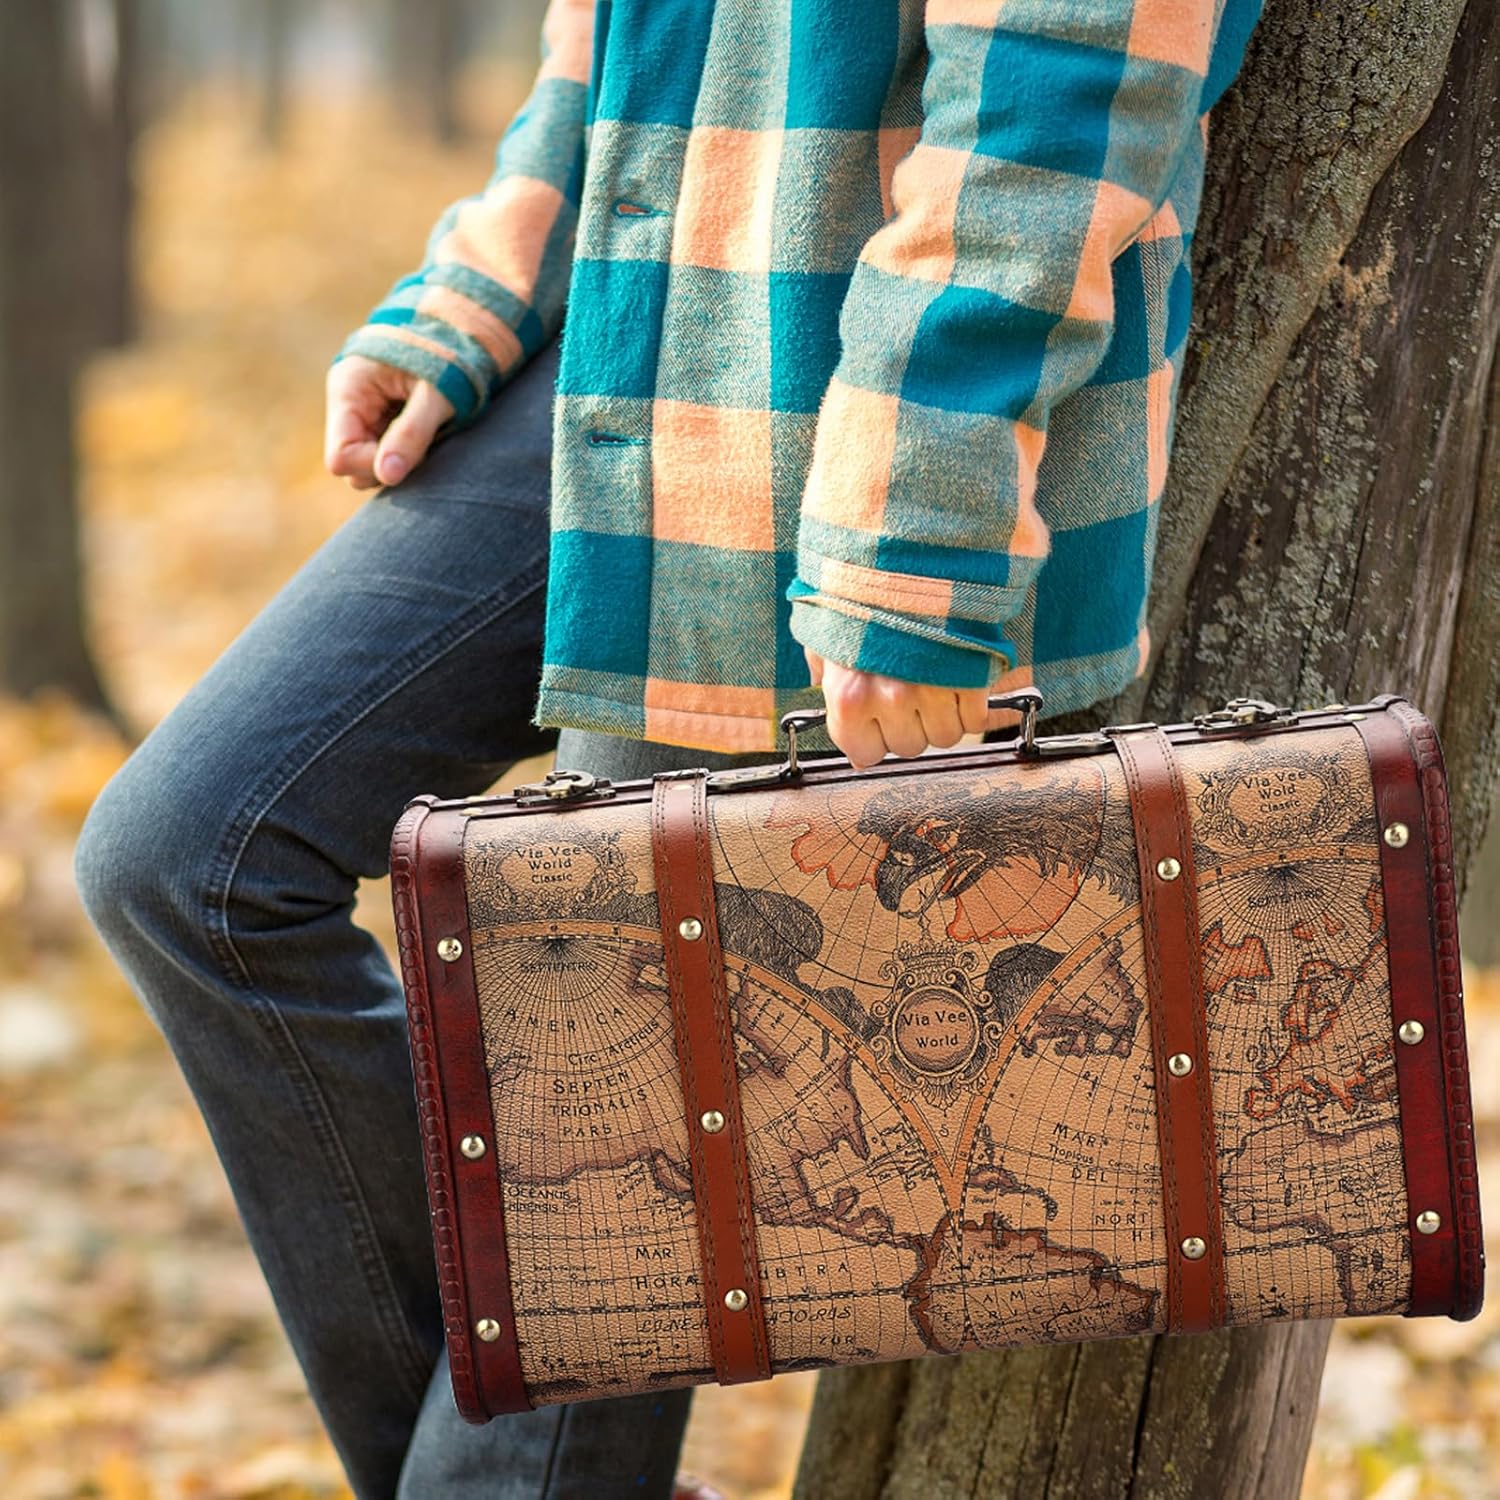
(423, 358)
(934, 652)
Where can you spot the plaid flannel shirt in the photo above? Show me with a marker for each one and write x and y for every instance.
(875, 315)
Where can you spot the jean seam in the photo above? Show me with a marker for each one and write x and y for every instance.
(519, 499)
(420, 658)
(394, 1324)
(545, 1491)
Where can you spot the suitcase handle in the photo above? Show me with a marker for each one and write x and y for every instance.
(1028, 700)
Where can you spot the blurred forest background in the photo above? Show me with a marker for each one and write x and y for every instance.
(198, 200)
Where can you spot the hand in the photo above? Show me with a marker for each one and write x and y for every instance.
(380, 421)
(869, 715)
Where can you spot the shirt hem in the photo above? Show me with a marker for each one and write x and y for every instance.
(743, 733)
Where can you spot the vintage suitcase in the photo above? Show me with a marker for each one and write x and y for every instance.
(1151, 1029)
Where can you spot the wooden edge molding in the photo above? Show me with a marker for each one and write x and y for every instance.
(1432, 1075)
(453, 1107)
(1468, 1293)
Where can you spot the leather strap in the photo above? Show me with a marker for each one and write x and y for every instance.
(1179, 1027)
(704, 1026)
(1437, 1139)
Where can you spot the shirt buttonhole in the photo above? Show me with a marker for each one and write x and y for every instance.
(631, 208)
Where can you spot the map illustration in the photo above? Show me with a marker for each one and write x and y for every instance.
(945, 1062)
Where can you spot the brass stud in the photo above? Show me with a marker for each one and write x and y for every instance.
(1168, 868)
(487, 1329)
(1428, 1222)
(712, 1121)
(1179, 1064)
(690, 928)
(1194, 1248)
(1396, 834)
(449, 949)
(735, 1299)
(1412, 1032)
(472, 1146)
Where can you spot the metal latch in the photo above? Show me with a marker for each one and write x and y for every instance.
(1240, 713)
(562, 786)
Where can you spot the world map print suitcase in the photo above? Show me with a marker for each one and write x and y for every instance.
(1152, 1029)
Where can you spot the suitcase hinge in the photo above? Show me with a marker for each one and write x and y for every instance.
(563, 786)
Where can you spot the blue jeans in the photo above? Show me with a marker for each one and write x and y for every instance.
(220, 866)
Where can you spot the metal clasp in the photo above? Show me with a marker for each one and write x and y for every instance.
(1089, 742)
(1240, 713)
(562, 786)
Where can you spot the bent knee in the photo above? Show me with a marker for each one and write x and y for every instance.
(130, 864)
(161, 857)
(141, 868)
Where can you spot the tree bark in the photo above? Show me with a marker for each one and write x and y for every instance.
(45, 324)
(1331, 530)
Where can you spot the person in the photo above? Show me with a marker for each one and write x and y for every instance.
(795, 353)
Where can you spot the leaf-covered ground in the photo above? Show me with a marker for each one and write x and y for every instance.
(139, 1353)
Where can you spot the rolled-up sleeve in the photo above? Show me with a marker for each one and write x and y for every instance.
(493, 284)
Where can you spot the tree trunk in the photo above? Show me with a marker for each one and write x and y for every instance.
(445, 55)
(1479, 933)
(1331, 530)
(273, 22)
(426, 48)
(45, 323)
(108, 40)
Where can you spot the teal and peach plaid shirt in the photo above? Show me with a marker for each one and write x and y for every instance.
(875, 319)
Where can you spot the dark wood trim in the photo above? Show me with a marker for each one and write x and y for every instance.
(453, 1101)
(1437, 1130)
(959, 757)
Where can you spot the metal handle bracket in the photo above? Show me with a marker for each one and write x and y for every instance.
(1027, 700)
